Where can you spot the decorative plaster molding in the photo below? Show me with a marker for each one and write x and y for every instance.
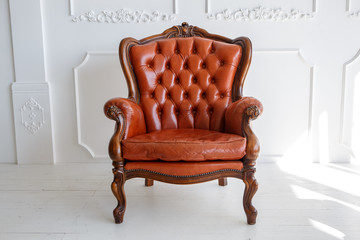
(32, 115)
(311, 67)
(71, 8)
(273, 157)
(354, 14)
(123, 16)
(175, 7)
(347, 101)
(208, 6)
(260, 13)
(314, 7)
(352, 10)
(77, 98)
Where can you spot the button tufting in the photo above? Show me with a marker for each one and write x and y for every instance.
(202, 87)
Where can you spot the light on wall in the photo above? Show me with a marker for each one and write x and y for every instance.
(324, 137)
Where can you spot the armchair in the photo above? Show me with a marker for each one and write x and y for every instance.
(185, 120)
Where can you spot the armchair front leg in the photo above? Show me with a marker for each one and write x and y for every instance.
(251, 186)
(130, 122)
(117, 186)
(249, 160)
(245, 110)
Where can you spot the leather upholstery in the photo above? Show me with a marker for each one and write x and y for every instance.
(134, 117)
(183, 168)
(184, 144)
(234, 114)
(185, 82)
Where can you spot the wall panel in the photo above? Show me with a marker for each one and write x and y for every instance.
(286, 94)
(97, 79)
(351, 107)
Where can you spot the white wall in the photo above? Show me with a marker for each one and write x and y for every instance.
(305, 67)
(7, 138)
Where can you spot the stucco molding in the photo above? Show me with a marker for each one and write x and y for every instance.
(260, 13)
(123, 16)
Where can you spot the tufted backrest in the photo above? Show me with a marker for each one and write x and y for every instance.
(185, 82)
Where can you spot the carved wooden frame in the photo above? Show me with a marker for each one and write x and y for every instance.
(252, 112)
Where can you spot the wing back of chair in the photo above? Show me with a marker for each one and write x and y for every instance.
(185, 78)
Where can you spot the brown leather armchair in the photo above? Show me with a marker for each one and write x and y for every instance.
(185, 120)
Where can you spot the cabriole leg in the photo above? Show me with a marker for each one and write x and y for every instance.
(117, 187)
(251, 186)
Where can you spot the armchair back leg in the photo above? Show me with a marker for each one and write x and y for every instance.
(149, 182)
(222, 182)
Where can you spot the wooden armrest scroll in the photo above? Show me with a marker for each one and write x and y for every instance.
(253, 112)
(252, 142)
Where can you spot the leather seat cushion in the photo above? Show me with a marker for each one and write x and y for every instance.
(184, 144)
(183, 168)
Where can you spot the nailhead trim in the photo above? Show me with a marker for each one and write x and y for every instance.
(185, 176)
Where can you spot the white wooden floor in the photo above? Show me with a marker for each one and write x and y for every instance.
(74, 201)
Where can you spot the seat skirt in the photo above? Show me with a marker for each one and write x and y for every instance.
(183, 168)
(184, 145)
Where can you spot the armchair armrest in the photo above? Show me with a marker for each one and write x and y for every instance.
(134, 121)
(237, 120)
(237, 110)
(130, 122)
